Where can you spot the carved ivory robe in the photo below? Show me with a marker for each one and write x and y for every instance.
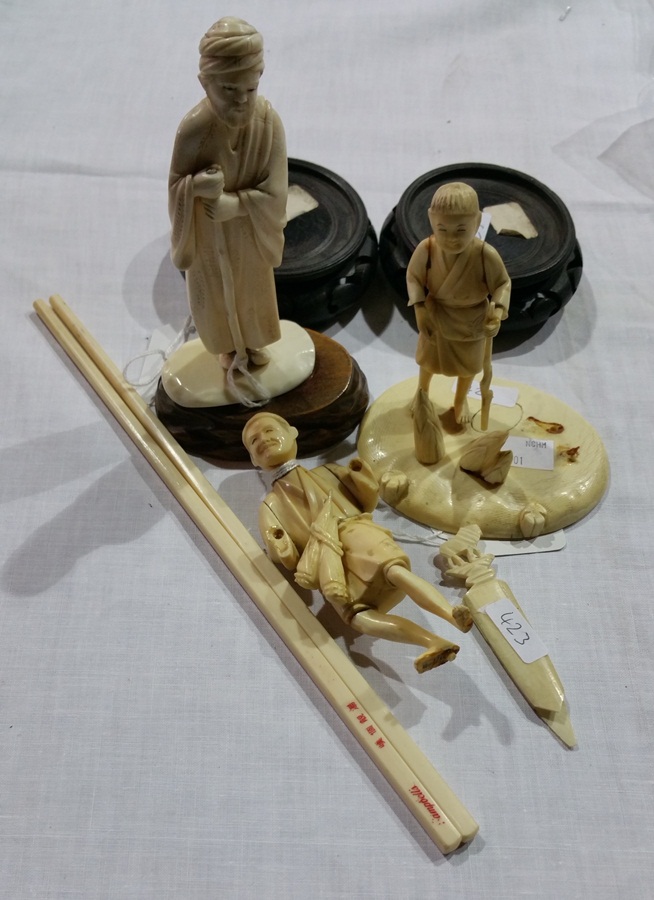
(253, 161)
(367, 550)
(452, 340)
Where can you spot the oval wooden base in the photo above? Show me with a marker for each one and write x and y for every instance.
(325, 409)
(445, 497)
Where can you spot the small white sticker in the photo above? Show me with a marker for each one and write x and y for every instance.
(516, 630)
(299, 202)
(531, 453)
(482, 231)
(502, 396)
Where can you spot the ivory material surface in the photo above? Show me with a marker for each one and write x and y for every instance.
(194, 378)
(443, 816)
(165, 743)
(460, 292)
(485, 457)
(446, 497)
(227, 196)
(537, 680)
(317, 523)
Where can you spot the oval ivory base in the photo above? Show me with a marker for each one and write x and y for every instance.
(445, 497)
(194, 378)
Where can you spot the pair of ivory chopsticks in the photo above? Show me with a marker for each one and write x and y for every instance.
(443, 816)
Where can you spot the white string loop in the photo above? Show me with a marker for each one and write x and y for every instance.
(180, 338)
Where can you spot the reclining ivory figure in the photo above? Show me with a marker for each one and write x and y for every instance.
(317, 523)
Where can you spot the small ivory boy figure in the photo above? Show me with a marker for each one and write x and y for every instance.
(227, 199)
(460, 291)
(317, 523)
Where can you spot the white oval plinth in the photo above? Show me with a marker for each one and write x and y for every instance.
(194, 378)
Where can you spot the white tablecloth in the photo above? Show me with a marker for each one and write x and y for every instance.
(157, 740)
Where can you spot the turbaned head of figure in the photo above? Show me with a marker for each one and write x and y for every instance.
(231, 63)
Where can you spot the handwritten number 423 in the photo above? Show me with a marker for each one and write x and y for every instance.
(512, 627)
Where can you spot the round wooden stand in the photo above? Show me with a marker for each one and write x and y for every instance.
(325, 409)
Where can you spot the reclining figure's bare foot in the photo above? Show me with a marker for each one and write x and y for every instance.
(437, 656)
(462, 618)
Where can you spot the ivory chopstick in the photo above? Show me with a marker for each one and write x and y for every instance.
(450, 803)
(428, 797)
